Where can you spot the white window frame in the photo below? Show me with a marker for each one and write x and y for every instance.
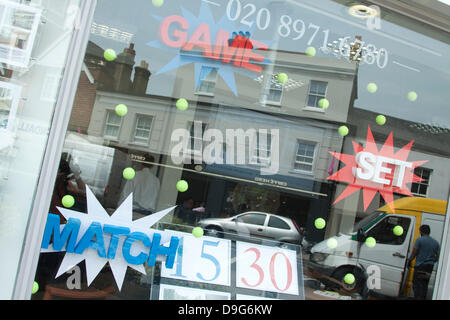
(15, 92)
(273, 84)
(139, 140)
(256, 157)
(195, 154)
(319, 96)
(108, 112)
(305, 142)
(10, 53)
(206, 79)
(50, 87)
(419, 183)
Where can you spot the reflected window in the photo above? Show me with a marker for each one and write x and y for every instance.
(196, 131)
(304, 157)
(317, 91)
(420, 188)
(208, 78)
(383, 231)
(50, 87)
(142, 129)
(4, 118)
(275, 222)
(112, 125)
(262, 149)
(253, 218)
(275, 90)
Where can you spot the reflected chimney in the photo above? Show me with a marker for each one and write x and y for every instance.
(141, 78)
(123, 69)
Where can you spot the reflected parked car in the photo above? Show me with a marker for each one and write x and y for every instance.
(255, 224)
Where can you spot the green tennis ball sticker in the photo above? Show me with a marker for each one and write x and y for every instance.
(371, 242)
(412, 96)
(197, 232)
(398, 230)
(319, 223)
(35, 287)
(128, 173)
(343, 130)
(121, 110)
(182, 104)
(380, 120)
(372, 87)
(324, 103)
(182, 185)
(68, 201)
(332, 243)
(158, 3)
(349, 278)
(110, 55)
(310, 51)
(282, 77)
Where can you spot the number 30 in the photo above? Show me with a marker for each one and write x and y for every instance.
(260, 271)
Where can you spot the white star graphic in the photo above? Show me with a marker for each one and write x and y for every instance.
(123, 217)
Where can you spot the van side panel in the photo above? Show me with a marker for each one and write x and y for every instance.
(436, 223)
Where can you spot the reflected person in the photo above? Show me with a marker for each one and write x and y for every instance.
(426, 252)
(145, 187)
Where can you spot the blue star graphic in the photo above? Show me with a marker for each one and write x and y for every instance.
(225, 71)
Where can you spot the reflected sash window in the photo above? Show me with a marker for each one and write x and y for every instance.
(317, 91)
(142, 129)
(112, 125)
(208, 78)
(196, 131)
(275, 90)
(262, 149)
(304, 157)
(420, 188)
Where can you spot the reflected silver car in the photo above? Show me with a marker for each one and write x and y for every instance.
(255, 224)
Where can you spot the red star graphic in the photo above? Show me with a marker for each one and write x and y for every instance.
(370, 188)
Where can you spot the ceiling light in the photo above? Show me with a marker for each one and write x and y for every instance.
(362, 11)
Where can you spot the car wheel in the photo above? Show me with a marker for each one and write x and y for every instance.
(358, 286)
(214, 231)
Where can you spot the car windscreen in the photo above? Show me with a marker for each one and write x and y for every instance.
(366, 221)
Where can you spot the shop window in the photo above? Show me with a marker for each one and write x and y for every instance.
(112, 125)
(420, 188)
(383, 231)
(317, 91)
(275, 222)
(304, 157)
(253, 218)
(142, 129)
(208, 78)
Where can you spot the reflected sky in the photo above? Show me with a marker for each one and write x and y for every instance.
(415, 62)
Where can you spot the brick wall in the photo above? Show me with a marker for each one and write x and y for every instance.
(83, 105)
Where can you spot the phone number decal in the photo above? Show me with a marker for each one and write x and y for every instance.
(295, 29)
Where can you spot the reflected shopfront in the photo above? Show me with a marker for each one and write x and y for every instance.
(253, 150)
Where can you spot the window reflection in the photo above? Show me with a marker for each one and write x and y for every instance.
(240, 123)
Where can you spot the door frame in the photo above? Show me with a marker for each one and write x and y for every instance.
(39, 211)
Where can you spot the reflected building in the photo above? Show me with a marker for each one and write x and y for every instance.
(301, 134)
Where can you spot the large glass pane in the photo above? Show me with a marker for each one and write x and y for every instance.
(334, 118)
(34, 43)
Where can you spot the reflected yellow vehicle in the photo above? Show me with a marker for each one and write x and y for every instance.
(381, 266)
